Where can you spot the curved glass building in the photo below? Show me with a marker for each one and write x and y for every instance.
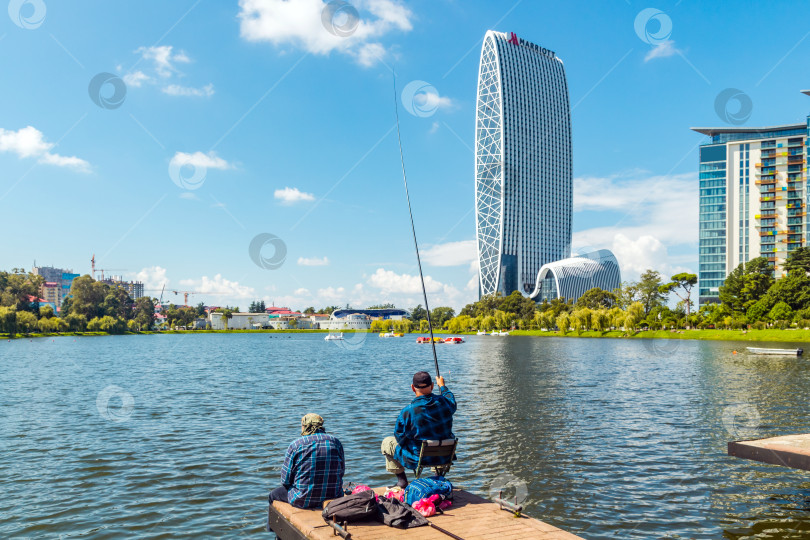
(523, 177)
(570, 278)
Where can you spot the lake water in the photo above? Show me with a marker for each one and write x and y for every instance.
(184, 435)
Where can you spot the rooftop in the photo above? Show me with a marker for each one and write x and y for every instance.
(712, 131)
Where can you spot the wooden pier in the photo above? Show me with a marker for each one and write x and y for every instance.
(788, 451)
(470, 518)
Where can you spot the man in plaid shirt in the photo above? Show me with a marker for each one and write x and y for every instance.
(313, 467)
(428, 417)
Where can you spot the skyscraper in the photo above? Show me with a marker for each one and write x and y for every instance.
(753, 184)
(523, 172)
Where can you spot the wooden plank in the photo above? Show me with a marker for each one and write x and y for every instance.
(788, 451)
(471, 517)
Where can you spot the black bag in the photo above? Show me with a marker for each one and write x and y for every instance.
(400, 515)
(358, 507)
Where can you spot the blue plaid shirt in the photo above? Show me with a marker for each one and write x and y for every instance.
(426, 418)
(313, 470)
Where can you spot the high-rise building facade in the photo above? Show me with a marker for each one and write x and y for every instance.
(57, 284)
(753, 193)
(523, 168)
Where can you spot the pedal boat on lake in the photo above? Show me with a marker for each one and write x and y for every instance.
(333, 337)
(775, 352)
(454, 340)
(422, 339)
(391, 334)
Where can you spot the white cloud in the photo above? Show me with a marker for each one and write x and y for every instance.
(163, 59)
(177, 90)
(662, 50)
(136, 79)
(153, 279)
(30, 142)
(300, 24)
(219, 286)
(290, 195)
(314, 261)
(653, 215)
(163, 68)
(451, 253)
(198, 159)
(389, 281)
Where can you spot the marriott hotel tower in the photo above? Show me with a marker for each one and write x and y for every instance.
(523, 173)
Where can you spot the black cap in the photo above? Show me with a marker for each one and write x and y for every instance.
(421, 379)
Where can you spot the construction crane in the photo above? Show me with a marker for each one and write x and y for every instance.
(102, 270)
(187, 293)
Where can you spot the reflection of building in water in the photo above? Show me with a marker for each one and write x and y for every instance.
(570, 278)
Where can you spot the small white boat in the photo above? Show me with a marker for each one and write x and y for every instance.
(333, 337)
(481, 333)
(779, 352)
(496, 333)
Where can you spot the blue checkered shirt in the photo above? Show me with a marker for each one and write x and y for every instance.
(313, 470)
(426, 418)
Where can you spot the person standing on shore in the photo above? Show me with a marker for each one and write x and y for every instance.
(428, 417)
(313, 467)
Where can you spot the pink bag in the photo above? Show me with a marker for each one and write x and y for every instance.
(425, 507)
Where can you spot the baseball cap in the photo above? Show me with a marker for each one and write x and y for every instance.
(421, 379)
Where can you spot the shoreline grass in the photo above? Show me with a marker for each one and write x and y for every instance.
(768, 335)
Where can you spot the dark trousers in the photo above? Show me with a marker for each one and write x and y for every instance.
(278, 494)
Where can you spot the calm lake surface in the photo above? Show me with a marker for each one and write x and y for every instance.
(169, 436)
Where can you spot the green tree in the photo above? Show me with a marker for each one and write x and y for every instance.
(46, 312)
(563, 322)
(76, 322)
(519, 305)
(746, 284)
(781, 312)
(625, 294)
(596, 298)
(26, 321)
(382, 306)
(798, 261)
(8, 320)
(47, 325)
(649, 292)
(683, 281)
(144, 313)
(440, 315)
(309, 311)
(418, 313)
(88, 297)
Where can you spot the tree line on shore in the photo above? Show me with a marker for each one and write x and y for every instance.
(749, 297)
(93, 306)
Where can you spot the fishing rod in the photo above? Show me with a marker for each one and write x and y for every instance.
(413, 228)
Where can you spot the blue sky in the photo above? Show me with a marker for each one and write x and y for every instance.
(279, 126)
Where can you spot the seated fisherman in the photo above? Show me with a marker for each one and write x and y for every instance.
(428, 417)
(313, 467)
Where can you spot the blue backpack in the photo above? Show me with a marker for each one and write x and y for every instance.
(425, 487)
